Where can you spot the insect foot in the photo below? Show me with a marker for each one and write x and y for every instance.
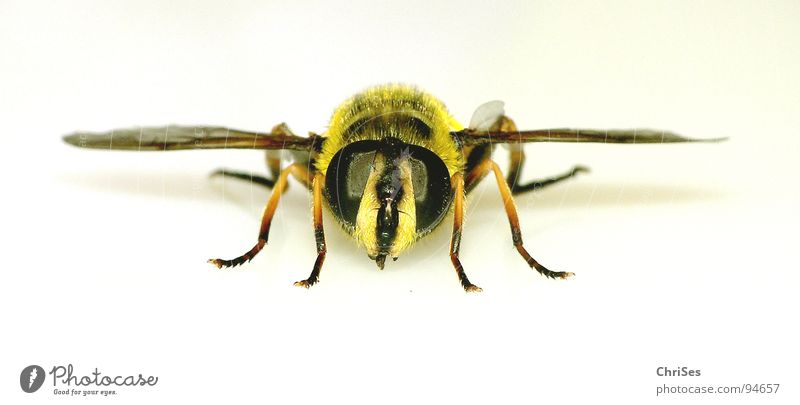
(563, 274)
(541, 269)
(217, 262)
(580, 169)
(472, 288)
(556, 274)
(305, 283)
(228, 263)
(241, 259)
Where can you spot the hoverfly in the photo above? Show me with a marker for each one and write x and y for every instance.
(391, 166)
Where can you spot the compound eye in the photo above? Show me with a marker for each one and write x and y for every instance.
(347, 177)
(432, 191)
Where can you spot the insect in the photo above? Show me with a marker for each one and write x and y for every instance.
(391, 167)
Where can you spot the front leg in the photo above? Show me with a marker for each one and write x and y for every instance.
(455, 243)
(319, 232)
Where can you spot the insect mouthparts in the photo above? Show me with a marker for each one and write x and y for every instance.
(380, 260)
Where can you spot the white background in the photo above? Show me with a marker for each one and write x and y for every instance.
(684, 254)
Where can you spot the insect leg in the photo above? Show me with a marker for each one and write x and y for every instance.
(513, 219)
(299, 171)
(273, 158)
(253, 178)
(455, 242)
(319, 232)
(517, 161)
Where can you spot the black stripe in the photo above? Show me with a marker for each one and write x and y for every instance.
(356, 127)
(400, 121)
(423, 130)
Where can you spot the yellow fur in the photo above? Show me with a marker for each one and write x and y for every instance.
(407, 228)
(386, 99)
(367, 212)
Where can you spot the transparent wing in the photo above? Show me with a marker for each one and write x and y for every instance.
(486, 115)
(473, 137)
(182, 137)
